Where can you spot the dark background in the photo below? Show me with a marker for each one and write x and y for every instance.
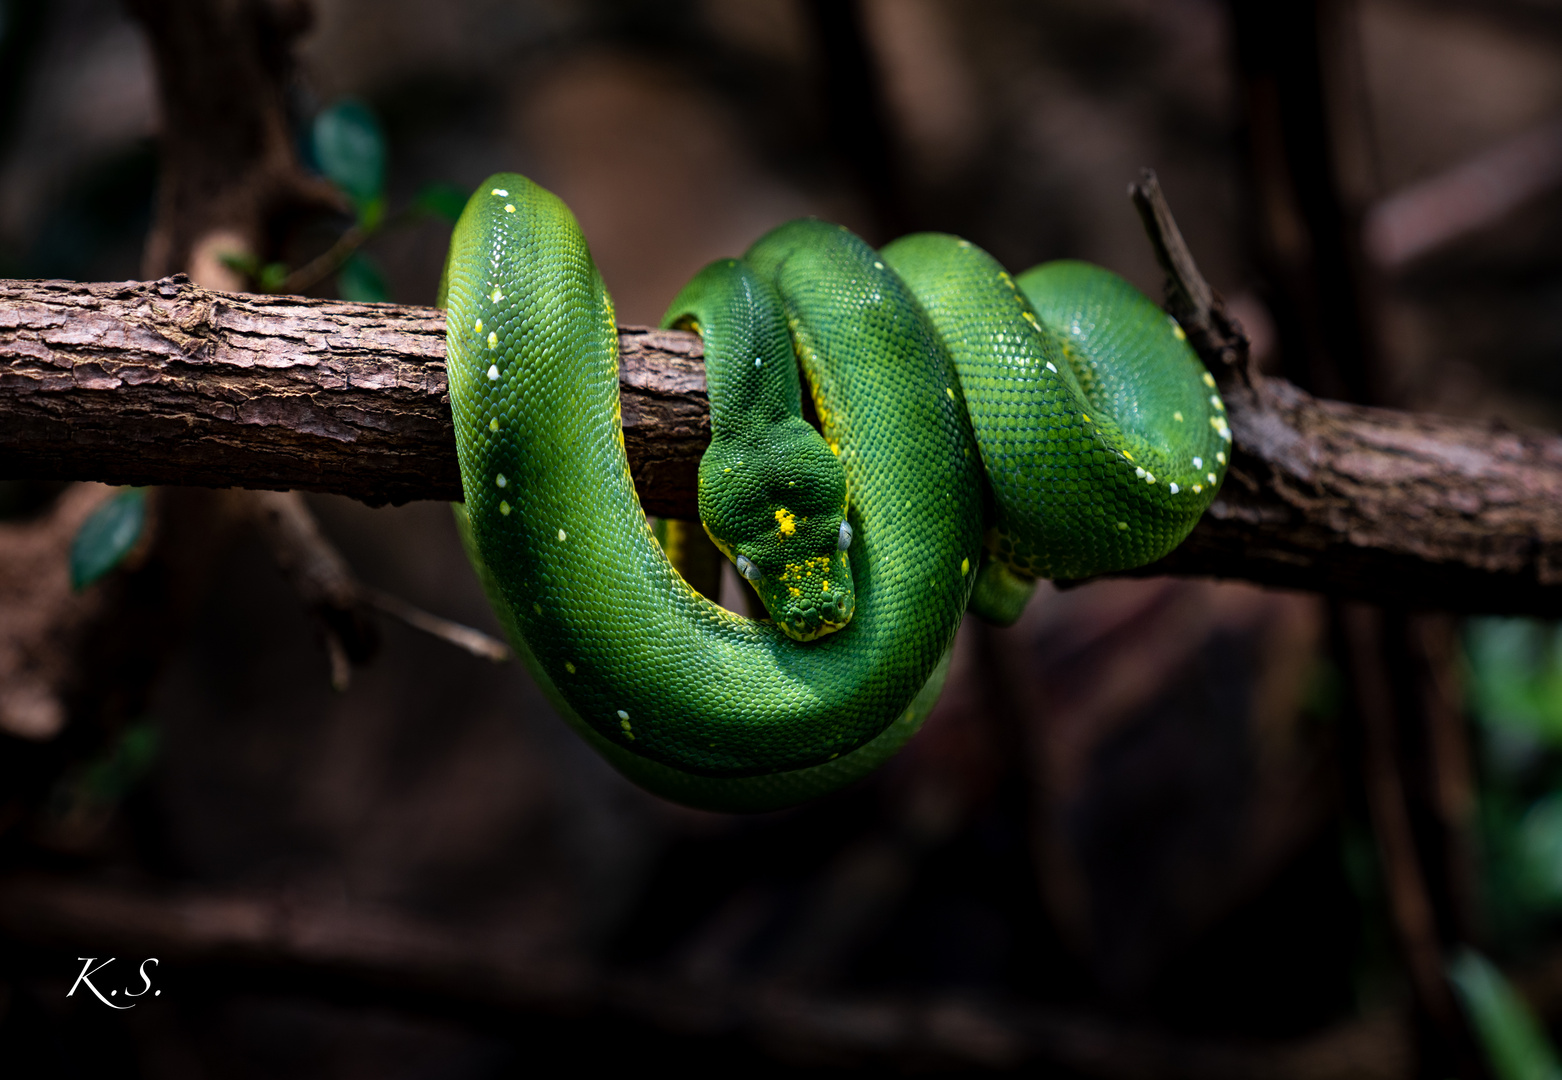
(1133, 831)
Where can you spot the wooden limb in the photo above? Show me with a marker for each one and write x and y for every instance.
(321, 578)
(166, 383)
(1201, 311)
(1360, 502)
(338, 601)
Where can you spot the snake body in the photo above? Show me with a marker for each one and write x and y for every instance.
(1075, 466)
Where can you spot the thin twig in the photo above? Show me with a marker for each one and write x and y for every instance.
(462, 637)
(326, 263)
(1214, 333)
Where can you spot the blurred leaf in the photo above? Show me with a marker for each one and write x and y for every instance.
(110, 777)
(271, 276)
(349, 145)
(442, 200)
(242, 261)
(107, 536)
(1516, 675)
(371, 214)
(1540, 852)
(1515, 1044)
(361, 280)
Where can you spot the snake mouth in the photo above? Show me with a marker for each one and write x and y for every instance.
(831, 614)
(798, 632)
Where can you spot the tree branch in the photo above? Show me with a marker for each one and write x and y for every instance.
(364, 955)
(166, 383)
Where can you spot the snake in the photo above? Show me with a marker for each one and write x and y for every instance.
(976, 431)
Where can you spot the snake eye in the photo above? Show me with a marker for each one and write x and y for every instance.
(747, 568)
(845, 540)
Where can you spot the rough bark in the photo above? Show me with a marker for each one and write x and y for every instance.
(166, 383)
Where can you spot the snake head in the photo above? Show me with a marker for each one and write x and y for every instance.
(811, 597)
(775, 504)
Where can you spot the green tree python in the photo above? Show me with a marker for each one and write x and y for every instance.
(977, 431)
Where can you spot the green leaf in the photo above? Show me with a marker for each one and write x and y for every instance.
(107, 536)
(1540, 852)
(1516, 675)
(361, 280)
(109, 778)
(272, 275)
(442, 200)
(241, 261)
(349, 146)
(1515, 1044)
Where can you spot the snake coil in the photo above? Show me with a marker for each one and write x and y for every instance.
(979, 431)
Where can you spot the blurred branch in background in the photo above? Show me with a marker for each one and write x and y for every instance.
(386, 958)
(1466, 199)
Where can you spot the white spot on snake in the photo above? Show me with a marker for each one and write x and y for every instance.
(1149, 478)
(563, 536)
(1198, 463)
(493, 371)
(1210, 477)
(504, 508)
(878, 266)
(758, 361)
(1214, 399)
(509, 208)
(1174, 487)
(1139, 471)
(1197, 488)
(1221, 457)
(1209, 380)
(501, 481)
(569, 667)
(1177, 416)
(1177, 331)
(622, 715)
(493, 340)
(950, 392)
(499, 191)
(1051, 368)
(477, 327)
(496, 295)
